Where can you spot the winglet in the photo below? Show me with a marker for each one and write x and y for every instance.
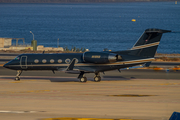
(71, 65)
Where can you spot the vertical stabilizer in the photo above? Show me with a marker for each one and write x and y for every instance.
(148, 43)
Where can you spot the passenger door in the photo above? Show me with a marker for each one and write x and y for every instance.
(23, 62)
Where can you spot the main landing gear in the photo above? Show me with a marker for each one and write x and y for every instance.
(83, 79)
(18, 75)
(97, 77)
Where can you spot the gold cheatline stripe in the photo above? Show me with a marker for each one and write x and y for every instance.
(138, 61)
(144, 46)
(117, 63)
(84, 119)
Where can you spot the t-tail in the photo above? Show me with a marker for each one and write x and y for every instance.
(148, 43)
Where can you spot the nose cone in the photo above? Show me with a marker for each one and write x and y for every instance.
(6, 65)
(13, 65)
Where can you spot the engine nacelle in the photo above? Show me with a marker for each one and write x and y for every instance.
(100, 57)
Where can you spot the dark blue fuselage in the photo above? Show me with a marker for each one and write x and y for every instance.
(62, 61)
(43, 61)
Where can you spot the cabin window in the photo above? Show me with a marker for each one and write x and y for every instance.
(44, 61)
(68, 60)
(59, 61)
(36, 60)
(52, 61)
(76, 60)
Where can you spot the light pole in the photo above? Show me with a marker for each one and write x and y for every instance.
(58, 42)
(34, 43)
(32, 34)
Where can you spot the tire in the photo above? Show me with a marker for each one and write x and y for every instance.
(97, 78)
(17, 79)
(83, 79)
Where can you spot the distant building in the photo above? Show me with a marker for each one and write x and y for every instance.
(5, 42)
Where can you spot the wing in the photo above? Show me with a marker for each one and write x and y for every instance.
(76, 70)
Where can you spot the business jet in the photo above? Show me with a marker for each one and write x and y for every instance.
(142, 53)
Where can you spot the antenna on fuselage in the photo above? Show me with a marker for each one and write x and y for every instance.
(53, 71)
(43, 52)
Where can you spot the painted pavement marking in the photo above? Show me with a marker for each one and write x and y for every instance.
(64, 118)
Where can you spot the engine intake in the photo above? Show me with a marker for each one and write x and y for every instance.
(100, 57)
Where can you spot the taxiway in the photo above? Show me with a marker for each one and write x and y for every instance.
(131, 94)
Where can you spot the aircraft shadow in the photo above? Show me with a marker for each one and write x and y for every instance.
(43, 78)
(66, 79)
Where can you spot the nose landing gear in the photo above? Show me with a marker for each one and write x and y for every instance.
(18, 75)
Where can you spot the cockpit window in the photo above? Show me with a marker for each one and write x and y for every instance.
(16, 58)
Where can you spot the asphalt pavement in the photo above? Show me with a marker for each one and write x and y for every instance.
(115, 74)
(64, 98)
(134, 94)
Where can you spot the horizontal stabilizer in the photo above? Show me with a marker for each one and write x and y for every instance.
(151, 30)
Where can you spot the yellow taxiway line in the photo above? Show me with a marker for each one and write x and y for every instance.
(84, 119)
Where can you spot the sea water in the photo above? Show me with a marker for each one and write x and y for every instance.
(93, 26)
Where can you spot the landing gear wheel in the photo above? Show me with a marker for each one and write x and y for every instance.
(17, 79)
(97, 78)
(83, 79)
(18, 75)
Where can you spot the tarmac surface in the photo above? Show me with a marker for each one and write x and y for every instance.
(131, 94)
